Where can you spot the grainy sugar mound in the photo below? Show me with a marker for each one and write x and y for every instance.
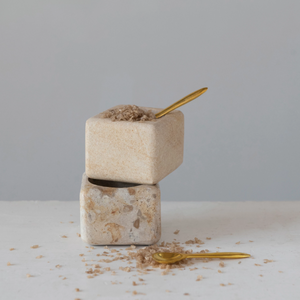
(131, 113)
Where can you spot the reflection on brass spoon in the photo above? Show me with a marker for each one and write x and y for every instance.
(170, 258)
(181, 102)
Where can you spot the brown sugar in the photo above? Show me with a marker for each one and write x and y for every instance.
(131, 113)
(34, 246)
(221, 264)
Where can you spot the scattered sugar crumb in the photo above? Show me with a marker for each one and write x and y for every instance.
(193, 269)
(126, 269)
(258, 265)
(64, 236)
(9, 264)
(141, 279)
(250, 241)
(199, 277)
(106, 269)
(261, 275)
(90, 276)
(280, 271)
(11, 249)
(92, 247)
(64, 278)
(186, 294)
(268, 261)
(131, 247)
(134, 293)
(219, 271)
(81, 254)
(39, 256)
(34, 246)
(168, 291)
(83, 260)
(58, 266)
(176, 231)
(221, 264)
(222, 284)
(77, 299)
(229, 283)
(208, 238)
(28, 275)
(104, 247)
(134, 283)
(239, 262)
(78, 234)
(71, 222)
(238, 243)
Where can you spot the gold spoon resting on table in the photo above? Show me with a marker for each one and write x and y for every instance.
(181, 102)
(170, 258)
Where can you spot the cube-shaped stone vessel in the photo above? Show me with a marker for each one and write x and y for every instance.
(116, 213)
(138, 152)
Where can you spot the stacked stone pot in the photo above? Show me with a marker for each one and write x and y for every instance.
(124, 161)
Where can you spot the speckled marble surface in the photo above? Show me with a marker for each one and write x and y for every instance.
(119, 215)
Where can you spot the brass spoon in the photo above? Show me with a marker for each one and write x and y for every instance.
(181, 102)
(170, 258)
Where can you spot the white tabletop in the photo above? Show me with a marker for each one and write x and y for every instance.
(274, 228)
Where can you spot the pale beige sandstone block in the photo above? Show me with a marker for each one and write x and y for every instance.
(119, 215)
(139, 152)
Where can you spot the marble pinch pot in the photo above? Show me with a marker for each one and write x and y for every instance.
(116, 213)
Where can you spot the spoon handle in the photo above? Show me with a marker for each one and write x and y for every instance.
(219, 255)
(181, 102)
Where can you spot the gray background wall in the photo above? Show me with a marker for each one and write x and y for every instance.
(62, 62)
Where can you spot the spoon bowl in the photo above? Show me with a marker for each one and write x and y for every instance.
(168, 258)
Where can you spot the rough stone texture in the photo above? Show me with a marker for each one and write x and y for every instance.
(139, 152)
(119, 215)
